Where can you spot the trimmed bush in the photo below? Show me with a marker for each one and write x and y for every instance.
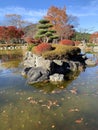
(67, 42)
(61, 52)
(41, 48)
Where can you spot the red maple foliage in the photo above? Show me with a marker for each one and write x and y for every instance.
(42, 48)
(10, 33)
(94, 37)
(31, 40)
(67, 42)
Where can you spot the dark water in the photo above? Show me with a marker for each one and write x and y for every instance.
(71, 106)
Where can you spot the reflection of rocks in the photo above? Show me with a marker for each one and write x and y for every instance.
(37, 69)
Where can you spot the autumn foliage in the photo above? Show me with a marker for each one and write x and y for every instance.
(77, 43)
(41, 48)
(67, 42)
(61, 52)
(59, 18)
(31, 40)
(94, 37)
(7, 34)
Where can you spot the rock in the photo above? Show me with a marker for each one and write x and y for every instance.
(37, 69)
(59, 68)
(41, 62)
(58, 62)
(37, 75)
(29, 60)
(73, 66)
(56, 77)
(32, 60)
(90, 62)
(25, 71)
(95, 49)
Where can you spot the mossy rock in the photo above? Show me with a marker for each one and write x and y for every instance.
(61, 52)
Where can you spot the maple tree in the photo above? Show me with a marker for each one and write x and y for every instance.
(31, 40)
(59, 19)
(67, 42)
(41, 48)
(94, 37)
(10, 34)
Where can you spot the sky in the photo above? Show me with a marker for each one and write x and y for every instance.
(33, 10)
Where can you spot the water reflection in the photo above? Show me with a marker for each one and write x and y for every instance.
(69, 106)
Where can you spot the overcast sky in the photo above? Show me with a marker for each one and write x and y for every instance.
(34, 10)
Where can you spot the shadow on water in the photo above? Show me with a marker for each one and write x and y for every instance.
(71, 105)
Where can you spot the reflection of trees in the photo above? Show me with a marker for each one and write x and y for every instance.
(8, 57)
(11, 64)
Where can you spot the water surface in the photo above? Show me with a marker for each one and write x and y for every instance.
(69, 106)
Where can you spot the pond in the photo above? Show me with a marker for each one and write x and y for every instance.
(71, 106)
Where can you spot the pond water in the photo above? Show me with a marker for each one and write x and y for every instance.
(71, 106)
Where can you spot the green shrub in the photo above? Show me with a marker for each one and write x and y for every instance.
(30, 47)
(90, 45)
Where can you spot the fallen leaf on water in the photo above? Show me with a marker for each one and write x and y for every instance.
(74, 110)
(78, 121)
(29, 98)
(62, 87)
(39, 122)
(68, 97)
(53, 126)
(33, 102)
(73, 91)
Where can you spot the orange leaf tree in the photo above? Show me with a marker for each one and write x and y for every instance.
(59, 19)
(94, 37)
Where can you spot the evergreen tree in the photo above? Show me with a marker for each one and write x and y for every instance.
(45, 32)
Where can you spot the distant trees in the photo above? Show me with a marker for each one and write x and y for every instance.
(60, 20)
(81, 36)
(45, 33)
(94, 37)
(10, 34)
(16, 20)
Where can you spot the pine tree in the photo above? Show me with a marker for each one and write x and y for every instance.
(45, 32)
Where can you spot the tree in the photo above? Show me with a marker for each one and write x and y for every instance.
(45, 33)
(30, 30)
(16, 20)
(94, 37)
(10, 34)
(60, 20)
(82, 35)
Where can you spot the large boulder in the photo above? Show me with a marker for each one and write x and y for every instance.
(29, 60)
(56, 77)
(32, 60)
(37, 75)
(37, 69)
